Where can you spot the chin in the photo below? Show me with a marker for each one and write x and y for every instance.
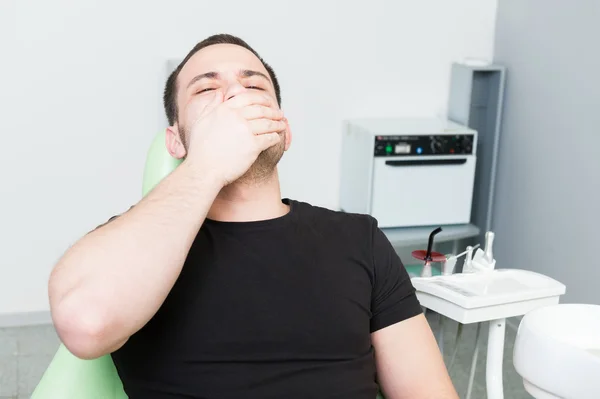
(264, 167)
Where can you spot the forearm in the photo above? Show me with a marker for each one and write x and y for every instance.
(113, 280)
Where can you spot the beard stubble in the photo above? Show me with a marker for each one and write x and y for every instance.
(264, 165)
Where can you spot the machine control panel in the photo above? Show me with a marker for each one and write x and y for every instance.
(439, 144)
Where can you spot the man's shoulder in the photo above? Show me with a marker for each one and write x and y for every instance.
(324, 217)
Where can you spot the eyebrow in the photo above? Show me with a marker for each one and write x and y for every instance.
(207, 75)
(246, 73)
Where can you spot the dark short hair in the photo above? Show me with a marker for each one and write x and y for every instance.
(170, 93)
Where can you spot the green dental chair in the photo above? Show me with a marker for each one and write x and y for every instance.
(69, 377)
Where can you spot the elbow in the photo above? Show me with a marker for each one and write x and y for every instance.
(84, 330)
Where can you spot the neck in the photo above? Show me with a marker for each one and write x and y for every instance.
(247, 201)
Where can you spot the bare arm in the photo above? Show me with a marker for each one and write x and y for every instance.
(409, 362)
(113, 280)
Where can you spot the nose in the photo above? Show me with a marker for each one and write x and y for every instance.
(233, 90)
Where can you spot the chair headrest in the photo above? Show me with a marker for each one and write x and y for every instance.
(159, 163)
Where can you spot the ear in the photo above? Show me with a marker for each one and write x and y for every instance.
(288, 135)
(173, 142)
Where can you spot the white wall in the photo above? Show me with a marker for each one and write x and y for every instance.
(548, 189)
(83, 99)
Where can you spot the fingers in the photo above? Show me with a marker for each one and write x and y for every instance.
(216, 100)
(263, 126)
(267, 140)
(251, 98)
(261, 112)
(197, 107)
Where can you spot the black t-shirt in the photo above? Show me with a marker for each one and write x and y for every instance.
(282, 308)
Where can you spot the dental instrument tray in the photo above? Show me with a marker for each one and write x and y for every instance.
(489, 288)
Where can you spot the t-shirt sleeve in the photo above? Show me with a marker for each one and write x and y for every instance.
(394, 298)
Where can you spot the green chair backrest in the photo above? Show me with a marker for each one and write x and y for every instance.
(68, 377)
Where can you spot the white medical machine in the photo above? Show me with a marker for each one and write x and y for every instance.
(408, 172)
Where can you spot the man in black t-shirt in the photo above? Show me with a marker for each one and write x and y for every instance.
(212, 286)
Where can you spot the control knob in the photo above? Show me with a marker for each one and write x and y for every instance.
(437, 146)
(466, 144)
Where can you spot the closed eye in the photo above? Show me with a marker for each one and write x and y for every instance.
(247, 87)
